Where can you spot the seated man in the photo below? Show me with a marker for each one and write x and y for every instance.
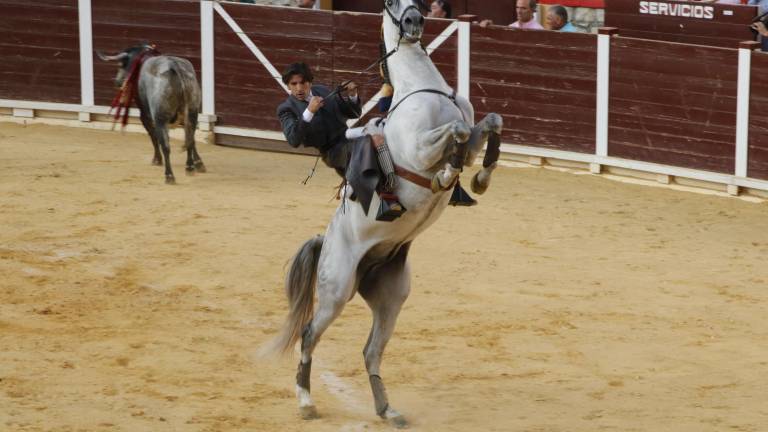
(525, 19)
(312, 117)
(557, 19)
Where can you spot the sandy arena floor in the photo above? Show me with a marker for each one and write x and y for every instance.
(561, 303)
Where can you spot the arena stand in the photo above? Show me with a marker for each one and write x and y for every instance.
(605, 102)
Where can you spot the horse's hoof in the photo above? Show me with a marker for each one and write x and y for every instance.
(170, 180)
(157, 162)
(308, 412)
(435, 183)
(190, 170)
(476, 186)
(200, 167)
(398, 422)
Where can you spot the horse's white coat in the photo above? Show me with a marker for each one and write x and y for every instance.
(360, 254)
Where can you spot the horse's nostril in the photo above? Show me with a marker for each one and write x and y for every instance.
(408, 21)
(421, 20)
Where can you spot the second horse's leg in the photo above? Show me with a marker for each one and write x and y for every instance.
(161, 132)
(193, 158)
(147, 122)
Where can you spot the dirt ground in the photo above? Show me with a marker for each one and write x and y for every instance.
(561, 303)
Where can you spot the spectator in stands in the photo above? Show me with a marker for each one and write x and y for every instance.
(440, 9)
(525, 19)
(762, 5)
(557, 19)
(307, 4)
(763, 31)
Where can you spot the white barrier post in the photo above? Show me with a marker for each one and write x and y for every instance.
(603, 80)
(742, 111)
(86, 58)
(463, 55)
(206, 64)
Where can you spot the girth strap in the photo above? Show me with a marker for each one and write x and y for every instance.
(451, 96)
(413, 177)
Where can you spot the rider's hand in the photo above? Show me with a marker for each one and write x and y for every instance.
(351, 89)
(485, 23)
(315, 104)
(760, 27)
(377, 139)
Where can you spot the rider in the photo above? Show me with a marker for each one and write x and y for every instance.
(311, 116)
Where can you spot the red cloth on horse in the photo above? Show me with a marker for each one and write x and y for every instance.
(128, 92)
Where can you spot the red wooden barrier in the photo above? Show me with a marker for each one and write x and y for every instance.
(39, 48)
(699, 23)
(338, 46)
(542, 82)
(758, 118)
(246, 94)
(502, 12)
(673, 104)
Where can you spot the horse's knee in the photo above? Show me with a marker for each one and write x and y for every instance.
(494, 123)
(461, 131)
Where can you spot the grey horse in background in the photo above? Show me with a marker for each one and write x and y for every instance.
(167, 92)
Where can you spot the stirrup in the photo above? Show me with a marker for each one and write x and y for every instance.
(460, 197)
(390, 207)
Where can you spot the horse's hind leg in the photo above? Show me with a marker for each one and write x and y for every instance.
(194, 162)
(161, 132)
(385, 289)
(488, 130)
(147, 122)
(335, 286)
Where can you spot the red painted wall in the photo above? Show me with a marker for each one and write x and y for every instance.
(673, 104)
(40, 51)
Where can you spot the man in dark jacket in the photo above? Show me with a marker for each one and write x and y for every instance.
(311, 119)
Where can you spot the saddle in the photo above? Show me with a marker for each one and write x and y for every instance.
(366, 177)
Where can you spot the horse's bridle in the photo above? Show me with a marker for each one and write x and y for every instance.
(399, 21)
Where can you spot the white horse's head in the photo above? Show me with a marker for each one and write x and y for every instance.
(406, 17)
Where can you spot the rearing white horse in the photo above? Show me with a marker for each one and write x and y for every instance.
(430, 135)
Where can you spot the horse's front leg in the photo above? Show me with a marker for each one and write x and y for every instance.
(488, 130)
(435, 144)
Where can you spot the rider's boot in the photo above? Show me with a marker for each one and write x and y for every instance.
(390, 207)
(460, 197)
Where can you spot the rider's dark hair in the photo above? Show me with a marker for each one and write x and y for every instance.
(446, 7)
(297, 69)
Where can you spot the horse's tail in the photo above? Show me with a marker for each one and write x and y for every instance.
(300, 289)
